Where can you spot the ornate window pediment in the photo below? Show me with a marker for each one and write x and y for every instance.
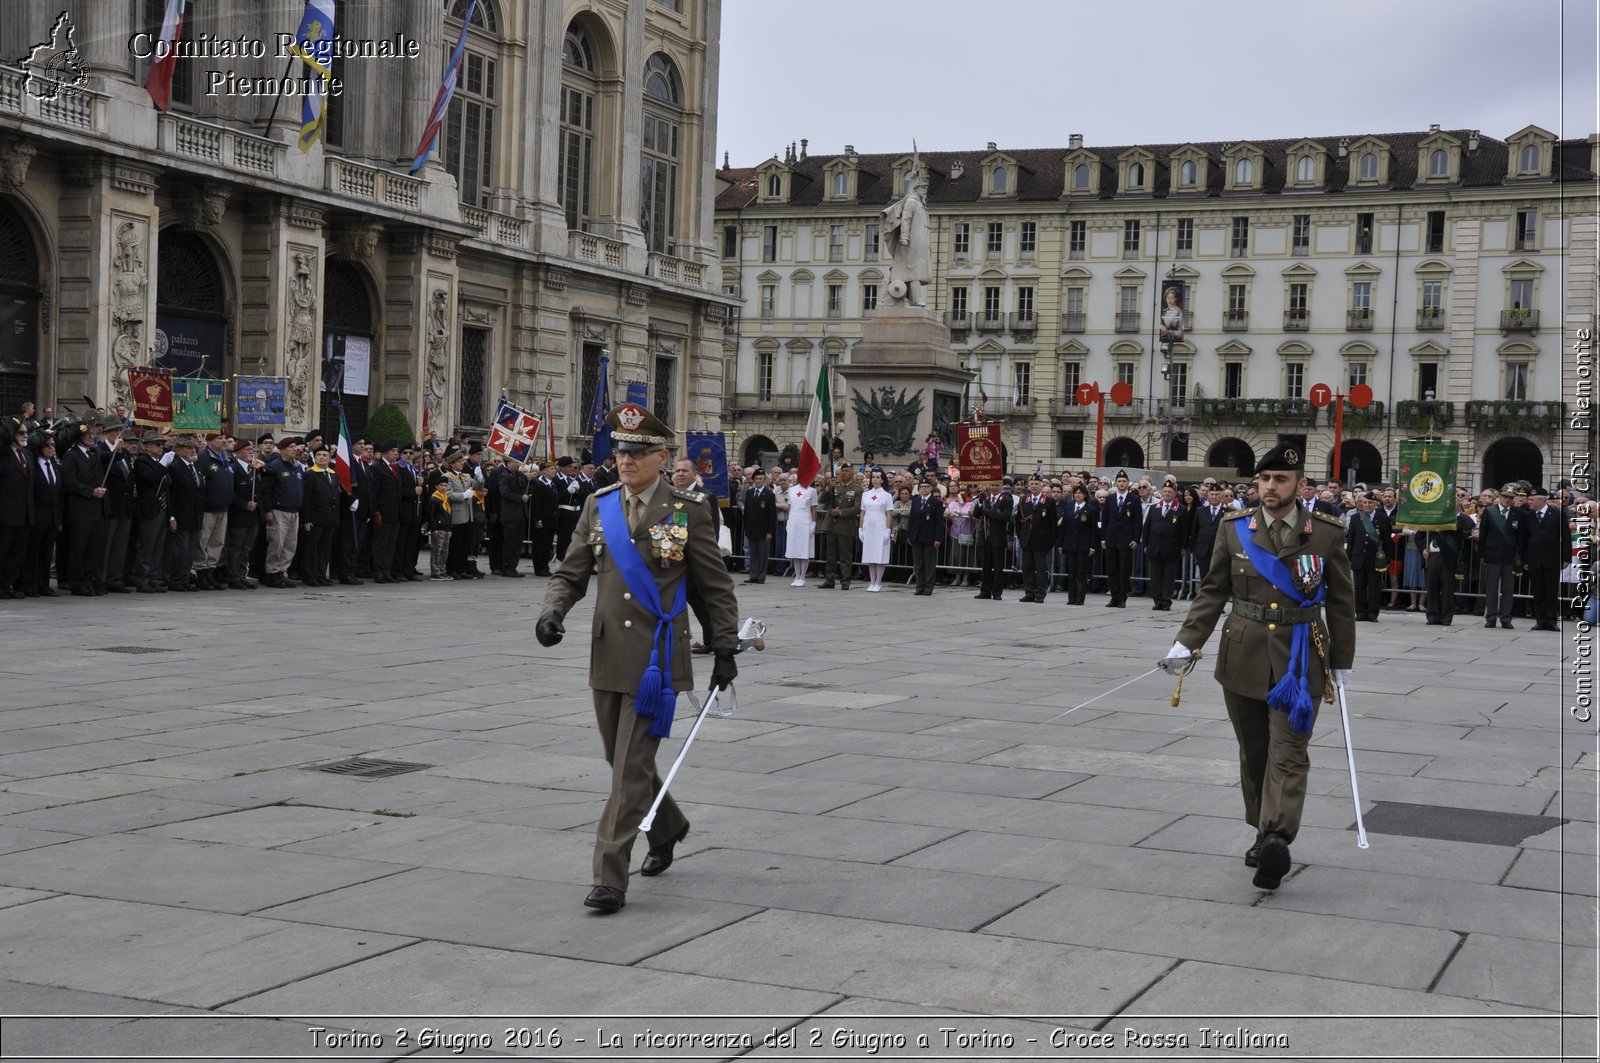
(1244, 167)
(1358, 349)
(1238, 272)
(773, 182)
(1299, 272)
(1308, 165)
(1000, 174)
(1073, 349)
(1438, 159)
(1428, 350)
(839, 179)
(1369, 163)
(1129, 274)
(1136, 172)
(1433, 265)
(989, 347)
(1363, 270)
(1294, 349)
(1529, 153)
(1126, 347)
(1083, 169)
(1234, 349)
(1517, 349)
(1188, 170)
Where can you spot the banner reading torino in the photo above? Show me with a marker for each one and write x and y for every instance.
(1427, 485)
(978, 453)
(151, 390)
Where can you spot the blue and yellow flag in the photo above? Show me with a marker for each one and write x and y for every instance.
(313, 43)
(709, 452)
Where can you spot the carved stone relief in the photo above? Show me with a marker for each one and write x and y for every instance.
(300, 359)
(130, 284)
(438, 348)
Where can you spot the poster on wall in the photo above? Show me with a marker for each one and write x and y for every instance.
(189, 346)
(346, 364)
(639, 393)
(19, 334)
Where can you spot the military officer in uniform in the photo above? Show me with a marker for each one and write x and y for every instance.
(1284, 568)
(842, 503)
(643, 540)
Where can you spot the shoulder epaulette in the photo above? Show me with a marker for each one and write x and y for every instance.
(607, 490)
(691, 496)
(1319, 515)
(1236, 514)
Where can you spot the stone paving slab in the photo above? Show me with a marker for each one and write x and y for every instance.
(516, 914)
(834, 836)
(918, 965)
(488, 848)
(1016, 816)
(16, 839)
(1378, 953)
(113, 814)
(936, 775)
(218, 878)
(268, 827)
(169, 955)
(1535, 974)
(179, 1037)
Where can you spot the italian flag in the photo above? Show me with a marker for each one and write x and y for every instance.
(821, 416)
(342, 454)
(159, 83)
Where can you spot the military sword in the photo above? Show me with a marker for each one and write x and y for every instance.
(1105, 694)
(1350, 755)
(752, 634)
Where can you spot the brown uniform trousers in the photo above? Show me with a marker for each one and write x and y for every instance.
(620, 651)
(1274, 762)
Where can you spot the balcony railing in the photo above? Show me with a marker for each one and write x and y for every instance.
(1133, 411)
(1359, 320)
(958, 320)
(219, 145)
(1128, 322)
(1296, 321)
(73, 107)
(375, 186)
(1519, 320)
(1516, 415)
(1236, 321)
(1429, 319)
(1257, 413)
(677, 270)
(597, 250)
(991, 321)
(1023, 321)
(1069, 409)
(996, 406)
(1357, 419)
(1074, 321)
(1419, 415)
(774, 400)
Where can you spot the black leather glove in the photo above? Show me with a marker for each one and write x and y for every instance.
(549, 629)
(724, 671)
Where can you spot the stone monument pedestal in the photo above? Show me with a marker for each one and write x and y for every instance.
(903, 381)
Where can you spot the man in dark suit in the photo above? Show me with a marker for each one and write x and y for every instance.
(509, 488)
(187, 517)
(118, 505)
(1078, 532)
(1499, 546)
(49, 508)
(1162, 537)
(1203, 529)
(925, 533)
(354, 506)
(1441, 552)
(1364, 543)
(760, 524)
(246, 516)
(1546, 550)
(319, 519)
(16, 509)
(152, 499)
(542, 518)
(1036, 539)
(407, 536)
(83, 475)
(993, 515)
(1121, 523)
(385, 510)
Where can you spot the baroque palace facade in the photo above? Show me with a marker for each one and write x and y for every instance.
(1445, 269)
(566, 210)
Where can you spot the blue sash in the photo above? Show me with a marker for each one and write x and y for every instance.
(1292, 693)
(655, 698)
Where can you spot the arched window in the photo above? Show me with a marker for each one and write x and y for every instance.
(579, 89)
(1136, 175)
(1188, 173)
(348, 340)
(1439, 163)
(1305, 169)
(192, 307)
(658, 165)
(19, 311)
(774, 186)
(470, 133)
(1369, 167)
(998, 180)
(1080, 175)
(1244, 172)
(1529, 161)
(841, 185)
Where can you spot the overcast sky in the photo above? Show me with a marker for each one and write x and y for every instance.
(956, 74)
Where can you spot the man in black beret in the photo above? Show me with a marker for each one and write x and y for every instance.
(1282, 567)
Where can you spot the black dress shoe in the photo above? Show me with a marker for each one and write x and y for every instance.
(1272, 861)
(48, 593)
(659, 858)
(844, 586)
(605, 899)
(982, 596)
(1251, 854)
(1026, 598)
(1505, 624)
(826, 585)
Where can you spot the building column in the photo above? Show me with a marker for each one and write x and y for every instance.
(280, 301)
(420, 355)
(1458, 382)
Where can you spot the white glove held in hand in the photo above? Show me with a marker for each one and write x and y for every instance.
(1341, 676)
(1178, 660)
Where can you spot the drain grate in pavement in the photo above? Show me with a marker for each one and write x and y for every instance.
(134, 649)
(368, 767)
(1455, 824)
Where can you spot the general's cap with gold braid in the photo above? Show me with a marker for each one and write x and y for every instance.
(635, 429)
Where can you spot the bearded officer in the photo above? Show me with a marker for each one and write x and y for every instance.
(1283, 567)
(643, 540)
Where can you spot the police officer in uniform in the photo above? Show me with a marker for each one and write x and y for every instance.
(569, 503)
(1276, 652)
(639, 540)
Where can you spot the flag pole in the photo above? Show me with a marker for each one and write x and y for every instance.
(273, 117)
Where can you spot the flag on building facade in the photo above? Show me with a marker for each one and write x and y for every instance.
(342, 452)
(819, 421)
(313, 43)
(514, 432)
(159, 82)
(441, 101)
(600, 446)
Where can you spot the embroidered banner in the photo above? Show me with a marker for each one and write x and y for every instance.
(514, 432)
(151, 389)
(1427, 485)
(709, 452)
(259, 400)
(978, 453)
(196, 404)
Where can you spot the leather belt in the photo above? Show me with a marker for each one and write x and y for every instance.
(1275, 614)
(572, 509)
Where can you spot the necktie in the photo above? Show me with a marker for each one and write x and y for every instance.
(49, 474)
(1280, 534)
(633, 513)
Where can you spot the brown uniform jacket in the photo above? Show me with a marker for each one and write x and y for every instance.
(623, 628)
(1255, 653)
(847, 500)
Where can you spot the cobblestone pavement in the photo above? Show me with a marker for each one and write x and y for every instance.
(889, 842)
